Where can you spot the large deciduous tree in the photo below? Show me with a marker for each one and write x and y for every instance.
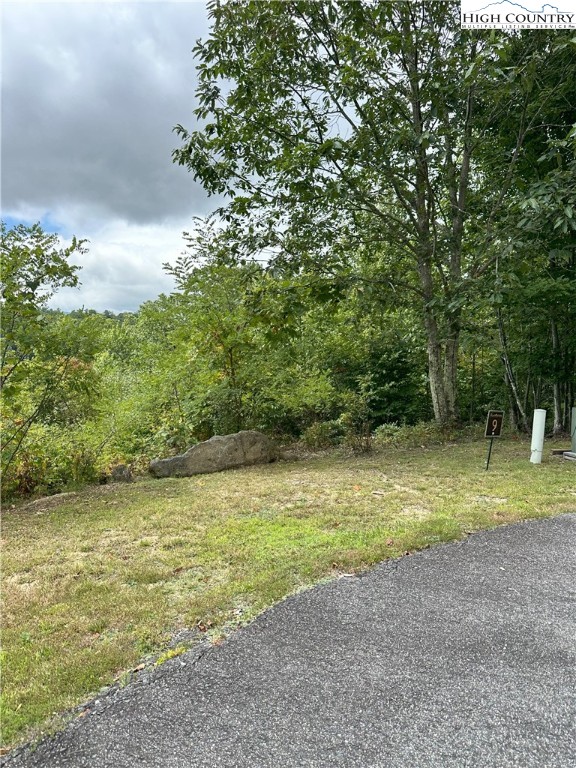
(331, 127)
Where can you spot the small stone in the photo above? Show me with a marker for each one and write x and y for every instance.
(121, 473)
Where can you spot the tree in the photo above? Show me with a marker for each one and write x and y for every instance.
(533, 286)
(338, 126)
(543, 292)
(34, 365)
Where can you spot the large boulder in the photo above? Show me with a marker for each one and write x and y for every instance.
(218, 453)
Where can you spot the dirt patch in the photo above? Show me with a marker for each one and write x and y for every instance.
(49, 502)
(416, 511)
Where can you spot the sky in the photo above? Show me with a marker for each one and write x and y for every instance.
(90, 94)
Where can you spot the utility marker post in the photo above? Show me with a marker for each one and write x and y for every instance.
(493, 429)
(538, 429)
(573, 429)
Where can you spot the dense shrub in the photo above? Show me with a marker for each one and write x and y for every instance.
(323, 434)
(52, 460)
(422, 434)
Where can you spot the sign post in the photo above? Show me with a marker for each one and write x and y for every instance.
(493, 429)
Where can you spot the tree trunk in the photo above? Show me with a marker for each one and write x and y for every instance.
(510, 378)
(527, 391)
(568, 401)
(437, 261)
(442, 369)
(558, 427)
(536, 392)
(473, 393)
(451, 371)
(435, 375)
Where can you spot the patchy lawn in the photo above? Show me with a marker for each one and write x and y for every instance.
(95, 582)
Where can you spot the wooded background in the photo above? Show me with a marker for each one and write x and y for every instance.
(393, 242)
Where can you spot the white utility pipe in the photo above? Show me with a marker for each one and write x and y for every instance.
(573, 430)
(538, 428)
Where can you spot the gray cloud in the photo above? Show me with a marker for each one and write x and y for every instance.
(123, 267)
(91, 93)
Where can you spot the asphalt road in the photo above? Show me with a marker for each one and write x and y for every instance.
(461, 655)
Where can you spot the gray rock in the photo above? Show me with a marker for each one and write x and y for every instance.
(218, 453)
(121, 473)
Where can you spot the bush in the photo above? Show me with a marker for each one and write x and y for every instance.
(51, 460)
(357, 434)
(356, 418)
(323, 434)
(387, 434)
(421, 435)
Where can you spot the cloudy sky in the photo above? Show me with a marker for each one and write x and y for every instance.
(90, 94)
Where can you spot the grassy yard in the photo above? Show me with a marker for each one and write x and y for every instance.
(96, 581)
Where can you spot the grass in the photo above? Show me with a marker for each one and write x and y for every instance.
(96, 581)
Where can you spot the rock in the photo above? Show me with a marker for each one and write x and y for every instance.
(218, 453)
(121, 473)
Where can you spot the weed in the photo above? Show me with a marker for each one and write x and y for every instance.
(171, 653)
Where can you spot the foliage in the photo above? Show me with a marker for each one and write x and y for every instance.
(422, 435)
(53, 459)
(322, 434)
(33, 267)
(374, 129)
(394, 243)
(41, 370)
(204, 361)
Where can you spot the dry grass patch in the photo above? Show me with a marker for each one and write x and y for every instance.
(96, 581)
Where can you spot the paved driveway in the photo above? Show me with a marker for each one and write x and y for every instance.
(461, 655)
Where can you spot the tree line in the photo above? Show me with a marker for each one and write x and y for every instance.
(394, 242)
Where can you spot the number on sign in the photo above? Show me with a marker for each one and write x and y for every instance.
(494, 424)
